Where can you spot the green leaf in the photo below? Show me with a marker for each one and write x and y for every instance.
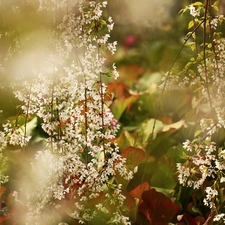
(215, 5)
(103, 22)
(197, 133)
(197, 3)
(31, 125)
(152, 126)
(126, 139)
(216, 8)
(120, 104)
(149, 82)
(191, 24)
(21, 120)
(108, 74)
(191, 45)
(173, 126)
(182, 11)
(160, 145)
(163, 177)
(210, 45)
(177, 154)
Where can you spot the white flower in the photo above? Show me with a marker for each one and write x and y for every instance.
(68, 95)
(193, 11)
(219, 217)
(214, 23)
(187, 145)
(210, 195)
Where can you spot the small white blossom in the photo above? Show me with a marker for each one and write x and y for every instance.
(78, 155)
(210, 195)
(193, 11)
(214, 23)
(219, 217)
(187, 145)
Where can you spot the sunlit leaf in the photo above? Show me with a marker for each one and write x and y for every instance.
(149, 82)
(173, 126)
(31, 125)
(191, 24)
(197, 132)
(216, 8)
(151, 126)
(134, 156)
(120, 104)
(127, 139)
(197, 3)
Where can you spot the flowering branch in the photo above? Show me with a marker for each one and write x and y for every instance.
(204, 167)
(78, 159)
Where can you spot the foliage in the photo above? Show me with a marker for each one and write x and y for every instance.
(79, 145)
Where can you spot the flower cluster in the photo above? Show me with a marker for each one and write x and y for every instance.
(208, 75)
(193, 11)
(79, 157)
(199, 166)
(205, 166)
(3, 160)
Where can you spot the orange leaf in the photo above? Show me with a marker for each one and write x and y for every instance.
(119, 90)
(2, 190)
(137, 192)
(3, 218)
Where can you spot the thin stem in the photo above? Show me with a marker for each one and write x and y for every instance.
(204, 53)
(102, 109)
(102, 114)
(52, 113)
(212, 40)
(59, 132)
(86, 122)
(162, 92)
(26, 118)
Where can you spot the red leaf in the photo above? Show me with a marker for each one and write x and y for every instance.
(200, 220)
(157, 208)
(188, 219)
